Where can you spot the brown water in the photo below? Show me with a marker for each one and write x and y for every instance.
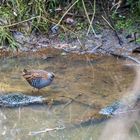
(100, 81)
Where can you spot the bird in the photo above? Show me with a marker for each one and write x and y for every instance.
(38, 78)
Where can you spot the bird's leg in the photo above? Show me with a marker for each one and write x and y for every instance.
(38, 90)
(33, 90)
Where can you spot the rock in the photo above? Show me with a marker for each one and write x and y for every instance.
(20, 37)
(109, 110)
(121, 107)
(55, 29)
(18, 99)
(69, 21)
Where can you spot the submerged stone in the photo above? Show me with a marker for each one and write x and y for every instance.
(111, 109)
(18, 99)
(130, 104)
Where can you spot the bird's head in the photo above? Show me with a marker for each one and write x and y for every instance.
(51, 75)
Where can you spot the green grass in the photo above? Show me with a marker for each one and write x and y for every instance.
(40, 15)
(7, 38)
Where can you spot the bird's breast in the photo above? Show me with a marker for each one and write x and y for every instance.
(40, 82)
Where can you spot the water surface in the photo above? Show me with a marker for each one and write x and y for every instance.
(99, 80)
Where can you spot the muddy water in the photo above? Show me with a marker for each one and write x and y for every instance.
(93, 81)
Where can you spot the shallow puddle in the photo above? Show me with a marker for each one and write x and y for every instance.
(93, 82)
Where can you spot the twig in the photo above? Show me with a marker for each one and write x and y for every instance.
(137, 129)
(95, 48)
(126, 57)
(123, 56)
(65, 28)
(81, 16)
(46, 130)
(133, 59)
(45, 100)
(77, 101)
(110, 23)
(117, 5)
(90, 25)
(90, 22)
(14, 24)
(66, 13)
(120, 41)
(71, 100)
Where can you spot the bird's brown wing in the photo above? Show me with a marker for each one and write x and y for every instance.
(35, 74)
(40, 73)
